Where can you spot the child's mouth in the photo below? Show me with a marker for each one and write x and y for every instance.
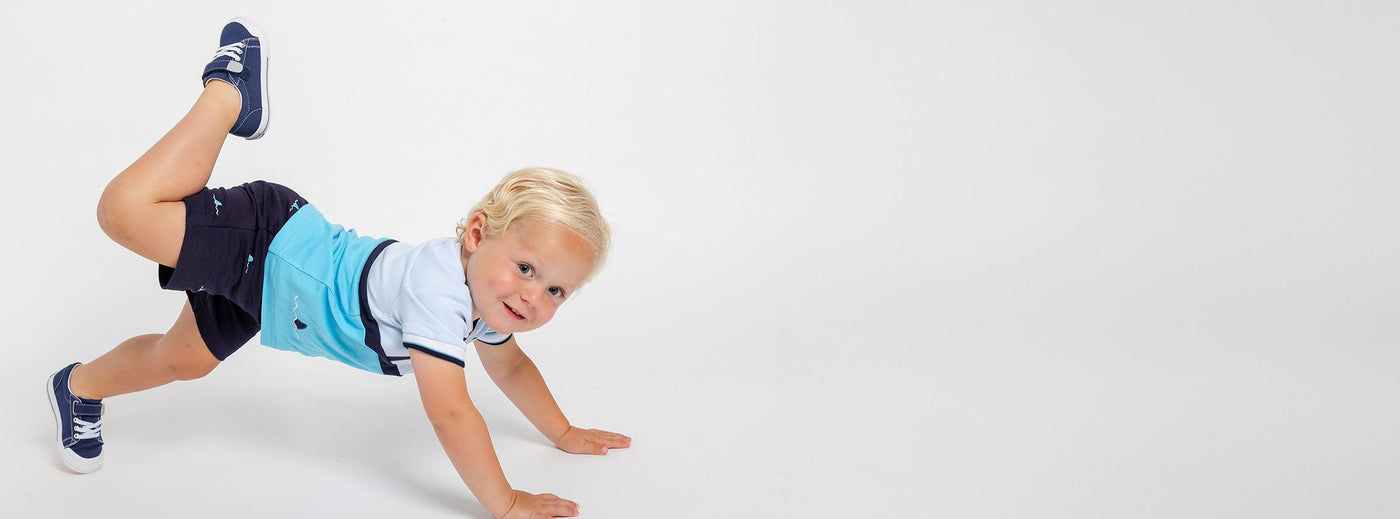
(513, 312)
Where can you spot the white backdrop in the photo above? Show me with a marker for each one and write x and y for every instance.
(873, 259)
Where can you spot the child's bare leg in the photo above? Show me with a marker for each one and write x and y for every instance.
(146, 361)
(142, 208)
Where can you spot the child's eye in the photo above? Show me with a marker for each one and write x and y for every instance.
(556, 291)
(525, 269)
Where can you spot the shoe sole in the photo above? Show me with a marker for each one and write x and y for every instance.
(264, 58)
(70, 459)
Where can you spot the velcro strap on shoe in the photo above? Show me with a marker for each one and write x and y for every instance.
(86, 409)
(228, 65)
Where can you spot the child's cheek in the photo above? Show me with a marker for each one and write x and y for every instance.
(501, 283)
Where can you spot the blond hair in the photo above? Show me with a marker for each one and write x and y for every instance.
(544, 196)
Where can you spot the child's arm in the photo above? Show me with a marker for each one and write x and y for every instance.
(520, 380)
(462, 432)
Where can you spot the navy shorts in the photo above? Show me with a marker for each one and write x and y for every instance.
(220, 268)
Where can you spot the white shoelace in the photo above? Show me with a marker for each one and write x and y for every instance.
(232, 50)
(85, 430)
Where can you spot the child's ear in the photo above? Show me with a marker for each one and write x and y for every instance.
(476, 232)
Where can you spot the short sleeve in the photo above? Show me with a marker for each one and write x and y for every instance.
(435, 323)
(435, 307)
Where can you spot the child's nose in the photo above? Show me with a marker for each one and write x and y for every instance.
(530, 295)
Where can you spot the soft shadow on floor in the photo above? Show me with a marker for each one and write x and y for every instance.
(385, 443)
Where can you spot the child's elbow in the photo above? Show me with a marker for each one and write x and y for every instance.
(452, 417)
(444, 420)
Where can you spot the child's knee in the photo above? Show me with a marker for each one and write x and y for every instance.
(188, 360)
(111, 218)
(117, 213)
(190, 369)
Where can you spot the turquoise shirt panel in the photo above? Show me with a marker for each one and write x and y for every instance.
(311, 291)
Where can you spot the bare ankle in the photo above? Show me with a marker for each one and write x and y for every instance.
(75, 385)
(228, 98)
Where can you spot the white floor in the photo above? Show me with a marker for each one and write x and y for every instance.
(873, 259)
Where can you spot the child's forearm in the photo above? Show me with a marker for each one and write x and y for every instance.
(520, 380)
(464, 437)
(461, 431)
(525, 388)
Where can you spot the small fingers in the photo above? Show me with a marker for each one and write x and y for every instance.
(557, 506)
(616, 441)
(594, 441)
(611, 439)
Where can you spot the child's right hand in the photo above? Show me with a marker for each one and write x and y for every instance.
(532, 506)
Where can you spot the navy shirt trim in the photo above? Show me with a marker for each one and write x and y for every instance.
(435, 353)
(371, 326)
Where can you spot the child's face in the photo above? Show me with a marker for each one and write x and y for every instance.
(519, 279)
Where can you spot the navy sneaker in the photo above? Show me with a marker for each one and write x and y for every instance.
(79, 424)
(242, 62)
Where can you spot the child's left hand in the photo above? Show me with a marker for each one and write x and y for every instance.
(591, 441)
